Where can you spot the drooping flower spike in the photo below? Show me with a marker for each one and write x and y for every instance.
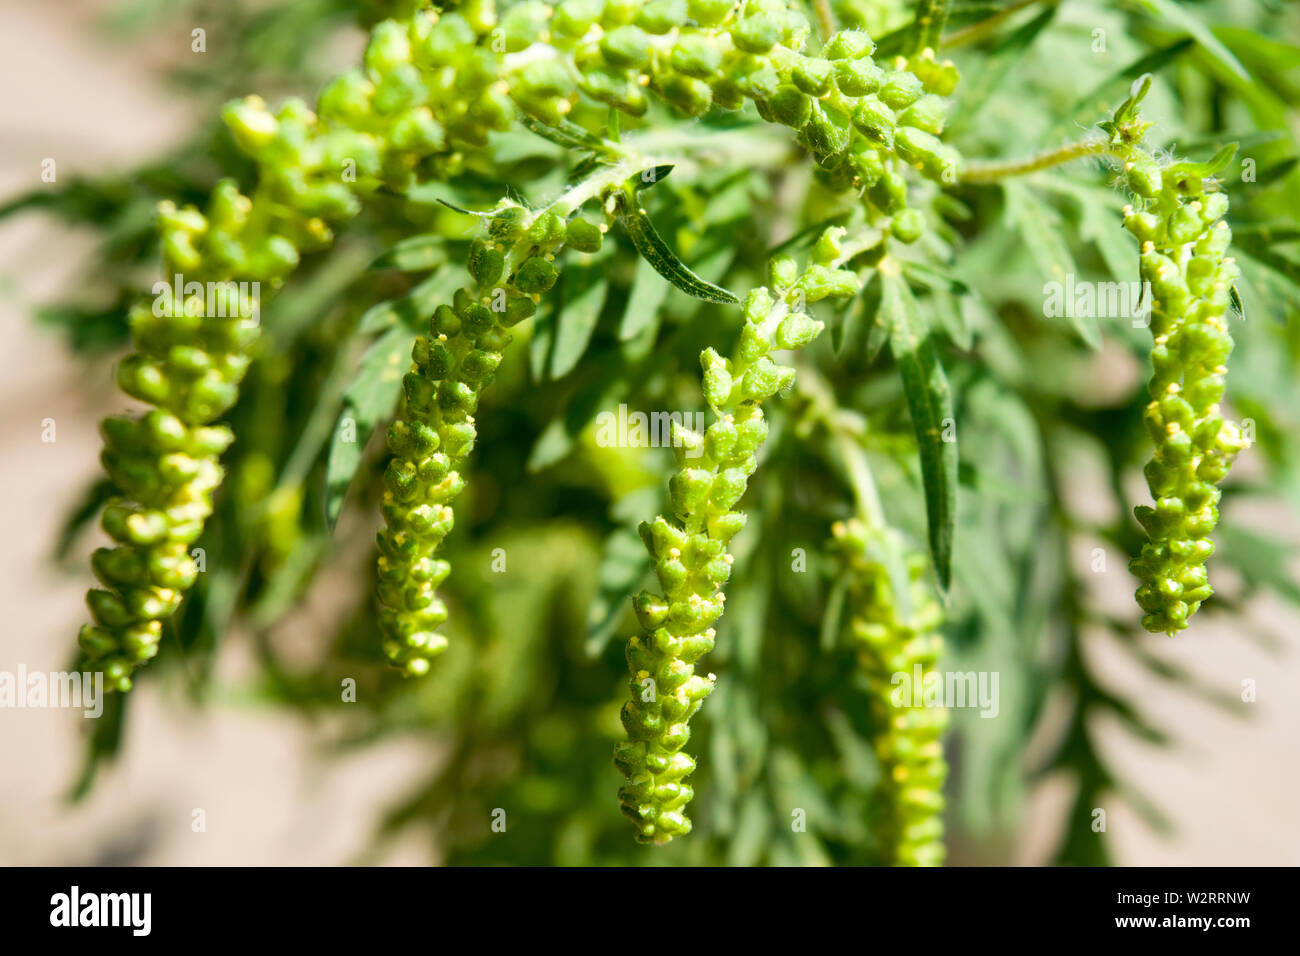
(689, 547)
(1178, 218)
(897, 639)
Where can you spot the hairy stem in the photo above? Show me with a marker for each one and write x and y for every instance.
(825, 18)
(994, 170)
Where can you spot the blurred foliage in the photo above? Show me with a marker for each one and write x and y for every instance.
(521, 712)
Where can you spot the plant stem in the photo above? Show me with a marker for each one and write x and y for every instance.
(825, 17)
(978, 31)
(931, 15)
(992, 171)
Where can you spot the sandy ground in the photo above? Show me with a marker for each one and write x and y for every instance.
(1228, 787)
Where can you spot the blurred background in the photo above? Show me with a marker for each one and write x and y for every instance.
(241, 728)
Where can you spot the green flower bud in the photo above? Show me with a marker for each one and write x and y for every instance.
(535, 276)
(868, 166)
(929, 113)
(782, 272)
(790, 107)
(485, 262)
(660, 16)
(545, 78)
(827, 131)
(1144, 177)
(619, 12)
(583, 236)
(813, 75)
(444, 322)
(916, 146)
(858, 77)
(626, 46)
(708, 13)
(507, 225)
(820, 282)
(477, 320)
(796, 330)
(573, 18)
(347, 97)
(908, 226)
(546, 229)
(389, 48)
(889, 194)
(755, 34)
(849, 45)
(692, 97)
(517, 309)
(695, 56)
(874, 120)
(523, 24)
(900, 90)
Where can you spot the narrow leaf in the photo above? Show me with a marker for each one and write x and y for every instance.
(930, 402)
(655, 251)
(583, 287)
(1037, 224)
(370, 398)
(415, 254)
(1177, 17)
(565, 133)
(643, 302)
(414, 308)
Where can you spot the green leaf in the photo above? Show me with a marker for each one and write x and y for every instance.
(583, 289)
(542, 341)
(930, 402)
(654, 250)
(1177, 17)
(414, 308)
(566, 133)
(1211, 166)
(416, 254)
(1099, 100)
(833, 616)
(643, 302)
(1261, 559)
(996, 66)
(91, 501)
(623, 563)
(1039, 226)
(859, 335)
(1099, 217)
(370, 399)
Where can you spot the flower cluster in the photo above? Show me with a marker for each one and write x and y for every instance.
(689, 550)
(435, 430)
(1178, 219)
(898, 635)
(432, 86)
(192, 347)
(860, 120)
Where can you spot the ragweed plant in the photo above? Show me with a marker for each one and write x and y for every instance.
(557, 200)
